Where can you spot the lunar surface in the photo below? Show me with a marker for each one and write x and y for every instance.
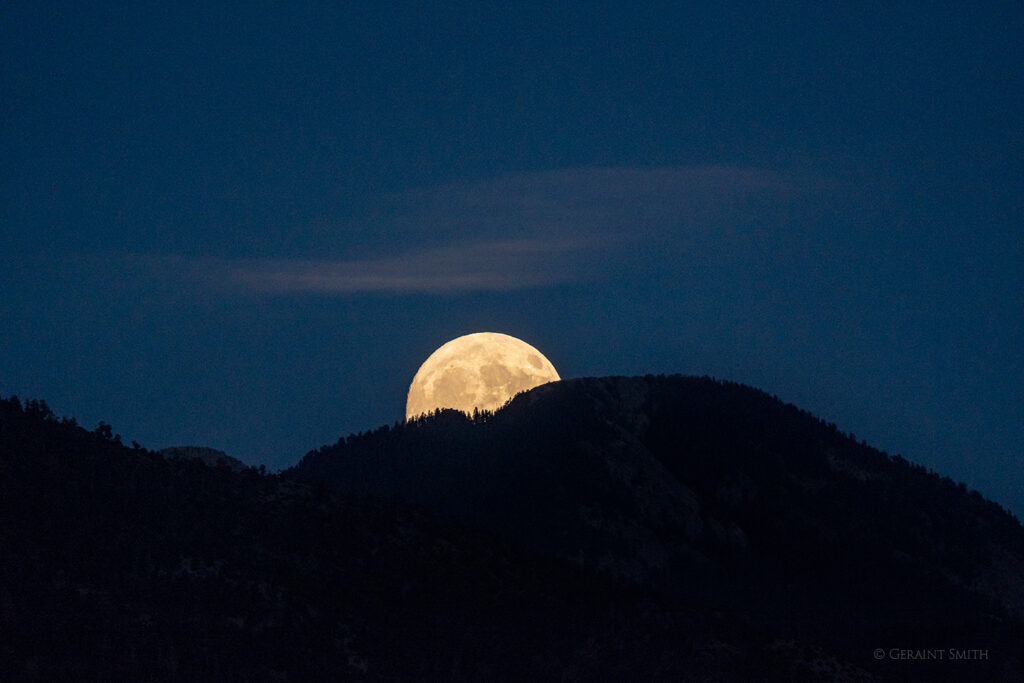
(481, 370)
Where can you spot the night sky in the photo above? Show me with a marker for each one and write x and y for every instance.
(245, 226)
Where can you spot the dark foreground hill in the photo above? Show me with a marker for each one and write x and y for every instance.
(119, 564)
(719, 493)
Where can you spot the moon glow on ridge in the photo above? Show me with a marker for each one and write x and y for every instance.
(481, 370)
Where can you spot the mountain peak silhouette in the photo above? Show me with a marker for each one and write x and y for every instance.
(670, 528)
(715, 491)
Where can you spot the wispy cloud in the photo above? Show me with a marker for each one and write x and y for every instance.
(517, 232)
(583, 201)
(485, 266)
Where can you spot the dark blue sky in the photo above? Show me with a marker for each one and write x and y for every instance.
(246, 225)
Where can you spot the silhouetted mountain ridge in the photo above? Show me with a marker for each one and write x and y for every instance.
(597, 529)
(211, 457)
(717, 491)
(120, 564)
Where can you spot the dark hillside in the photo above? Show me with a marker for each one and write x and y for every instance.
(722, 493)
(119, 564)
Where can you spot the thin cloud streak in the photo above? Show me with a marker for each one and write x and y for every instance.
(581, 201)
(489, 266)
(518, 232)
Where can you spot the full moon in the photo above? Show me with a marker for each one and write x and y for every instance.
(481, 370)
